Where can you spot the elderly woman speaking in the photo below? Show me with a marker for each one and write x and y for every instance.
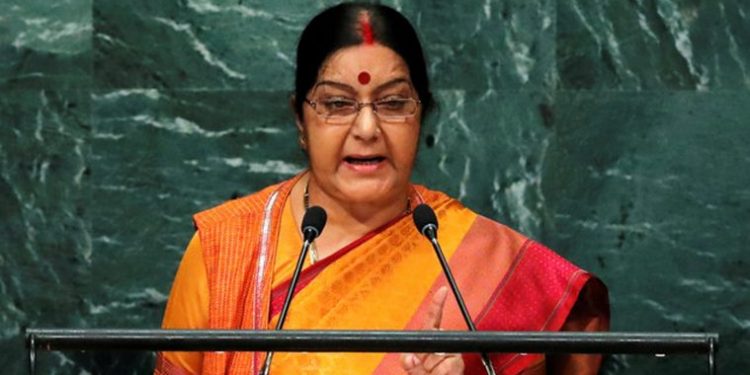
(361, 93)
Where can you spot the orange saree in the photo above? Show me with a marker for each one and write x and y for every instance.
(236, 271)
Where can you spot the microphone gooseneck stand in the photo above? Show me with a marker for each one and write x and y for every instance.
(312, 225)
(426, 222)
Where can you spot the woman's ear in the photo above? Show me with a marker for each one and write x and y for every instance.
(297, 116)
(302, 137)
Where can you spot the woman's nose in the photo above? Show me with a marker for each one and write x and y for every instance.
(366, 124)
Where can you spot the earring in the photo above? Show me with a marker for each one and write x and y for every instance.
(302, 142)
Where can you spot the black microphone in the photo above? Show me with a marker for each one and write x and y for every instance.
(426, 221)
(313, 222)
(427, 224)
(312, 225)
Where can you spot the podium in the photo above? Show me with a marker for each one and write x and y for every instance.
(654, 343)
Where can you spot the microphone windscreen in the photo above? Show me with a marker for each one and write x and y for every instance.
(424, 216)
(314, 219)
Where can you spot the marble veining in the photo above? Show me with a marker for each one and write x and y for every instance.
(612, 131)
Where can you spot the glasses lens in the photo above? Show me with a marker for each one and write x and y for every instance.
(396, 109)
(338, 120)
(337, 107)
(339, 110)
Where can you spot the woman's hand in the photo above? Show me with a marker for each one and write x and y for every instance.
(433, 363)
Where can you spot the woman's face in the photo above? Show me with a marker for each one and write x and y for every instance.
(366, 160)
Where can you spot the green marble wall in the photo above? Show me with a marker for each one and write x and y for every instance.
(613, 131)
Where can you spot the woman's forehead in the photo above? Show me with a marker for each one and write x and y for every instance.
(378, 62)
(399, 84)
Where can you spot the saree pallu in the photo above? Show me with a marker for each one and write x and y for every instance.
(385, 280)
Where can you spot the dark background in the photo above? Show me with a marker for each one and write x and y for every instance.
(613, 131)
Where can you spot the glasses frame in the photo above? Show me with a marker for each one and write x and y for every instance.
(359, 106)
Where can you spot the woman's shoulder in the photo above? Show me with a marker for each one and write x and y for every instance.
(240, 208)
(489, 232)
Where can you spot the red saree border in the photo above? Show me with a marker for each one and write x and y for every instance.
(566, 279)
(508, 275)
(501, 309)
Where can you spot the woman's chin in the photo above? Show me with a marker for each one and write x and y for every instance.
(368, 194)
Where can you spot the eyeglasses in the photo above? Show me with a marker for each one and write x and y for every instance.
(338, 110)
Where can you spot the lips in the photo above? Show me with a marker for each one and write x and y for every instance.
(364, 164)
(364, 160)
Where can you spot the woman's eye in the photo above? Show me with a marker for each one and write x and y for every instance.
(392, 104)
(336, 104)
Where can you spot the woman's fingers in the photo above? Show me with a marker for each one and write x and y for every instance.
(434, 314)
(432, 361)
(435, 311)
(433, 364)
(412, 364)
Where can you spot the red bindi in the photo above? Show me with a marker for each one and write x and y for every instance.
(364, 78)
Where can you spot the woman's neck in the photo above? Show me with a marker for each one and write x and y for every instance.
(347, 221)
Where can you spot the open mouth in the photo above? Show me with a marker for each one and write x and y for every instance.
(364, 160)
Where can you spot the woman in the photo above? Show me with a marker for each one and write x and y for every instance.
(361, 93)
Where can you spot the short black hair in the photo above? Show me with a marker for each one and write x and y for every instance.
(339, 27)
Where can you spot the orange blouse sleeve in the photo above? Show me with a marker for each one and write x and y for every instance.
(187, 307)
